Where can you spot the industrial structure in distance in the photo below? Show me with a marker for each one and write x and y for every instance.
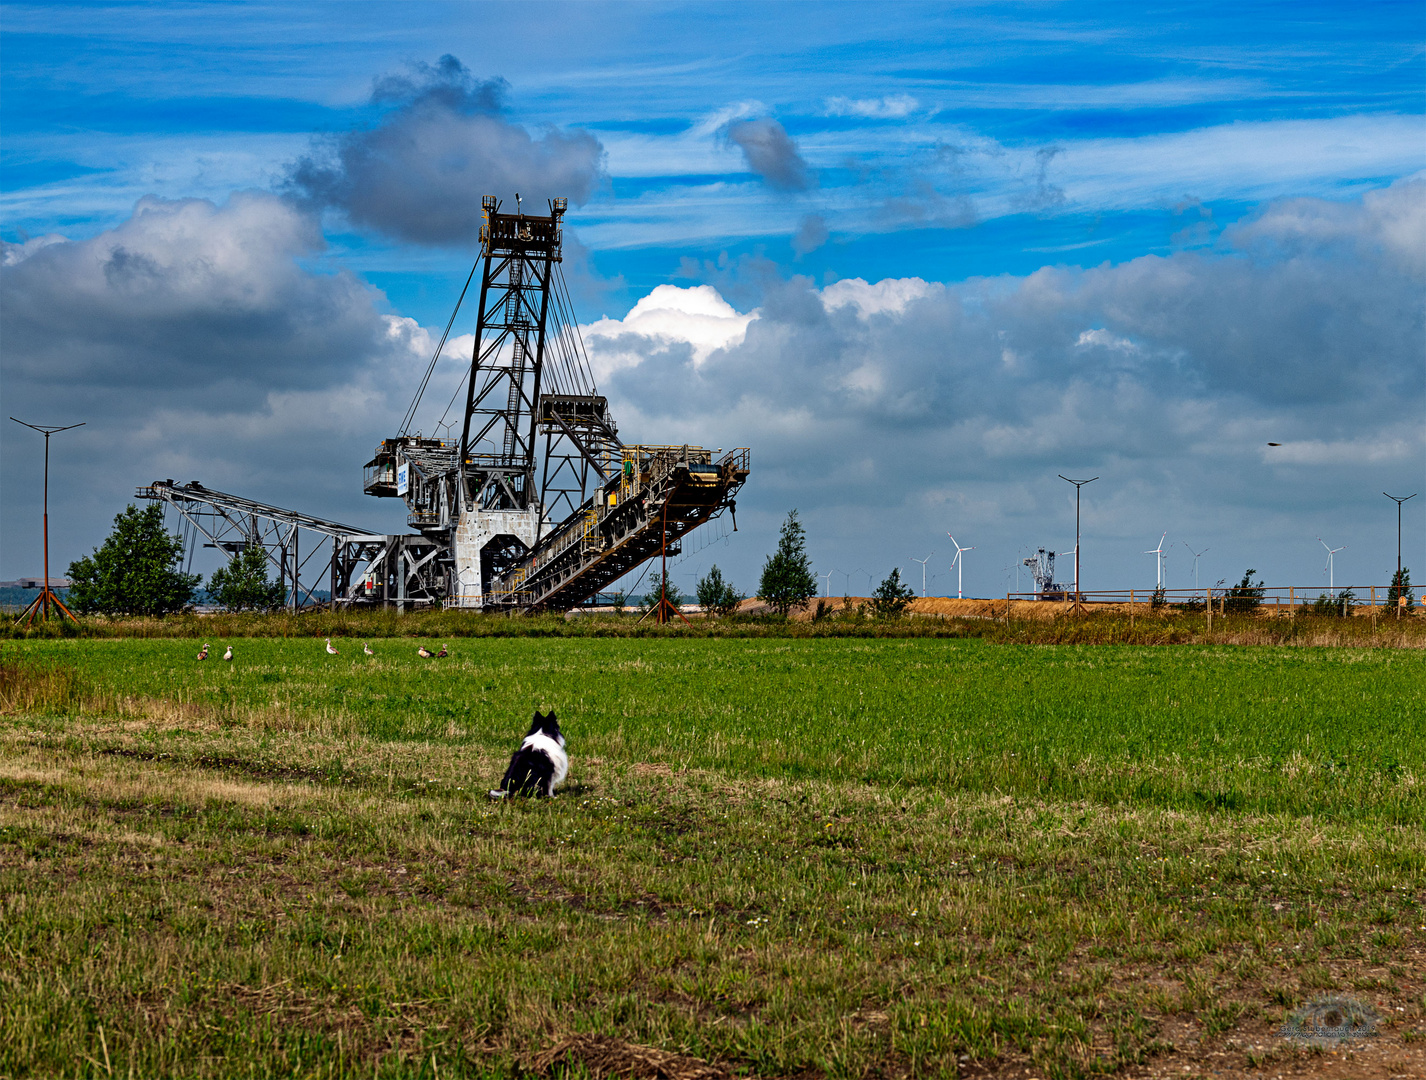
(537, 506)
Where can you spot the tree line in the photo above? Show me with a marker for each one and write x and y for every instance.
(138, 570)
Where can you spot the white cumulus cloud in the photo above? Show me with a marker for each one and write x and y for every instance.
(889, 295)
(696, 318)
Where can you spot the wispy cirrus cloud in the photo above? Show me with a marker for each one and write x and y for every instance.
(886, 107)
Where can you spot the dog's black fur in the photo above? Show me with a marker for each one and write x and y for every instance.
(541, 761)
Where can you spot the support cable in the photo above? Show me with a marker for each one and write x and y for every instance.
(451, 404)
(416, 402)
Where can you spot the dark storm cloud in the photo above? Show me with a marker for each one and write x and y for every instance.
(186, 295)
(195, 345)
(771, 153)
(876, 407)
(419, 174)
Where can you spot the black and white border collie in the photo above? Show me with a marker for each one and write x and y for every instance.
(540, 764)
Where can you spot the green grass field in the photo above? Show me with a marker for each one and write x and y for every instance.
(778, 857)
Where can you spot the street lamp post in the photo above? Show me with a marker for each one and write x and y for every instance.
(1399, 500)
(1401, 593)
(1077, 485)
(41, 605)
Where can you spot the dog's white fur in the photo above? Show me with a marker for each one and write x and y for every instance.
(554, 750)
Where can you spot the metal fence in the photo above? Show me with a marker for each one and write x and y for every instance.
(1285, 600)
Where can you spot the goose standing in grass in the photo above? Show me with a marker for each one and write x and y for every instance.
(330, 651)
(424, 652)
(203, 652)
(367, 649)
(442, 653)
(229, 654)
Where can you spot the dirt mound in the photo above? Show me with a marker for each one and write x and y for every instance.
(928, 606)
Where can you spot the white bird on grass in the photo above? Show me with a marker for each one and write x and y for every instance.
(330, 651)
(367, 649)
(424, 652)
(229, 654)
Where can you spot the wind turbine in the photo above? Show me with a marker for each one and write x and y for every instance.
(923, 563)
(1331, 551)
(1159, 561)
(959, 564)
(828, 576)
(1195, 555)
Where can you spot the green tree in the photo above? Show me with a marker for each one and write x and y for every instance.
(1401, 586)
(891, 596)
(651, 598)
(1245, 597)
(243, 584)
(137, 571)
(716, 596)
(787, 580)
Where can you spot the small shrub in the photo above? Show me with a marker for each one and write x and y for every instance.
(1401, 587)
(1337, 607)
(1246, 597)
(891, 596)
(716, 596)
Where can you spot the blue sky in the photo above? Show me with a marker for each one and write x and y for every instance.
(920, 262)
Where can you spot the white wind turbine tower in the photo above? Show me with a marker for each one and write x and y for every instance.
(959, 564)
(923, 563)
(828, 576)
(1195, 555)
(1331, 551)
(1158, 552)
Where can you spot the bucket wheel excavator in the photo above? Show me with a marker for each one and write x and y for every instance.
(538, 505)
